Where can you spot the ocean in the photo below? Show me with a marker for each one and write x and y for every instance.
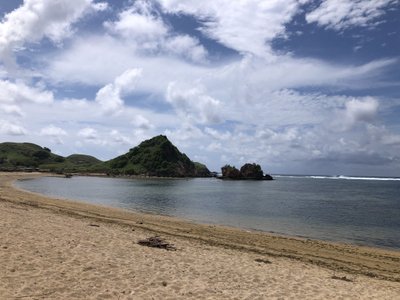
(356, 210)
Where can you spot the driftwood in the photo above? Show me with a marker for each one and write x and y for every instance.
(265, 261)
(156, 242)
(344, 278)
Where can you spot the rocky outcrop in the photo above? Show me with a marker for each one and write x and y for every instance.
(247, 172)
(251, 171)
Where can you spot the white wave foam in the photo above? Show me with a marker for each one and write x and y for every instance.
(341, 177)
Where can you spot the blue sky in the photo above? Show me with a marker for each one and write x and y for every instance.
(298, 86)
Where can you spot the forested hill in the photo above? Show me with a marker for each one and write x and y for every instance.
(154, 157)
(157, 157)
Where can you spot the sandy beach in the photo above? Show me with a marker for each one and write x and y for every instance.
(58, 249)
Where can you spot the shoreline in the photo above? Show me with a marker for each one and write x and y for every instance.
(212, 261)
(256, 241)
(194, 221)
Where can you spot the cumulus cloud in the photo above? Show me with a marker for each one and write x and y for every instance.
(193, 104)
(361, 110)
(141, 24)
(141, 122)
(10, 128)
(52, 131)
(342, 14)
(18, 92)
(218, 135)
(119, 138)
(245, 26)
(109, 96)
(11, 109)
(89, 134)
(186, 46)
(145, 29)
(380, 134)
(37, 19)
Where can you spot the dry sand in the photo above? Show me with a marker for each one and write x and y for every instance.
(57, 249)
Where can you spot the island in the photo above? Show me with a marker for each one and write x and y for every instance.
(249, 171)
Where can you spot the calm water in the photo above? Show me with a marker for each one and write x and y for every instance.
(363, 211)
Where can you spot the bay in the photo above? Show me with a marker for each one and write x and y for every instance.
(363, 211)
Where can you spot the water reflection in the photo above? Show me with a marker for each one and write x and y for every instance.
(366, 212)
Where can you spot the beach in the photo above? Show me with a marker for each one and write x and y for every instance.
(62, 249)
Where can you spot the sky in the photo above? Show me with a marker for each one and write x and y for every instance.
(297, 86)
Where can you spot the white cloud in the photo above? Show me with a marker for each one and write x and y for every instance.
(342, 14)
(186, 46)
(248, 107)
(37, 19)
(53, 131)
(141, 24)
(9, 128)
(241, 78)
(11, 109)
(119, 138)
(217, 134)
(100, 6)
(361, 110)
(143, 28)
(246, 26)
(141, 122)
(193, 104)
(109, 96)
(89, 134)
(109, 57)
(380, 134)
(20, 92)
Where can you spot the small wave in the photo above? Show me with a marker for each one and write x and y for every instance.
(369, 178)
(341, 177)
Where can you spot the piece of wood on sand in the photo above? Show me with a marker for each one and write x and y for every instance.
(157, 242)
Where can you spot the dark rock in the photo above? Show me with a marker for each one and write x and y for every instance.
(247, 172)
(230, 172)
(251, 171)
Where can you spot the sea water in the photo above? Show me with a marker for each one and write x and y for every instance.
(364, 211)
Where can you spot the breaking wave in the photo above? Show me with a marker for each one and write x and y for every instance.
(341, 177)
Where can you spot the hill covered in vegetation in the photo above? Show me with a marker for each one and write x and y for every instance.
(154, 157)
(28, 156)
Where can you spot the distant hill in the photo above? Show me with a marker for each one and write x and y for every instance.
(77, 163)
(26, 155)
(23, 156)
(81, 159)
(153, 157)
(156, 157)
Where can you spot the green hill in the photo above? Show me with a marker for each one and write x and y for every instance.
(77, 163)
(26, 155)
(23, 156)
(153, 157)
(156, 157)
(82, 160)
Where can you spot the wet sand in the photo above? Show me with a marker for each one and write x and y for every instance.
(58, 249)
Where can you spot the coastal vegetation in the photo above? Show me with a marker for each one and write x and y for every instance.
(154, 157)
